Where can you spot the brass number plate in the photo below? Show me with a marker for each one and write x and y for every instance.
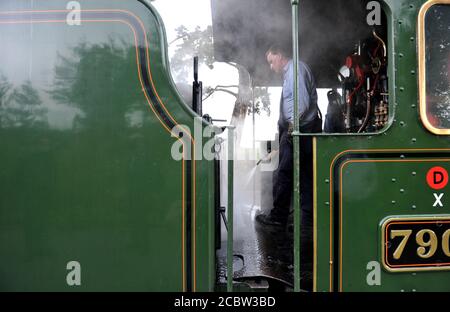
(416, 244)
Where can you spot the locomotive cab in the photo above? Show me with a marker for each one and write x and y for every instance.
(349, 60)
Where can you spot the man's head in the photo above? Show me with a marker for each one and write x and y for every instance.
(277, 58)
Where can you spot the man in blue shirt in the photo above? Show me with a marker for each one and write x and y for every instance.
(307, 106)
(310, 121)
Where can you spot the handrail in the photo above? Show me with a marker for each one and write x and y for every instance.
(297, 216)
(230, 208)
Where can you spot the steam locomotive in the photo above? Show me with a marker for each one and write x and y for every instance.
(93, 199)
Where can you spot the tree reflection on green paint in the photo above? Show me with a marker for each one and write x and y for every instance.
(21, 107)
(101, 80)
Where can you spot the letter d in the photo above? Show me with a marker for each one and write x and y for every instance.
(437, 180)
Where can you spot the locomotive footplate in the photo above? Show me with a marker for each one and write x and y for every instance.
(260, 253)
(269, 255)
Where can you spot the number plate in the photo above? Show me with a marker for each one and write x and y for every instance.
(416, 244)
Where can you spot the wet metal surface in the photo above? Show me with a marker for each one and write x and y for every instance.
(259, 250)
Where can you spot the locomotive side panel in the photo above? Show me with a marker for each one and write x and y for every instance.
(364, 183)
(92, 197)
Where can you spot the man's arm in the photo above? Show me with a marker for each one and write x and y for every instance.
(304, 87)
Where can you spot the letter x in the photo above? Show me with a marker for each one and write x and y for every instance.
(438, 200)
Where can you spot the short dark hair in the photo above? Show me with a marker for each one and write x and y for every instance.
(279, 49)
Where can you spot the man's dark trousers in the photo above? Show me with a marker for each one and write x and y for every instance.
(283, 186)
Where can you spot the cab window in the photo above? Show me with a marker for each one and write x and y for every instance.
(437, 42)
(435, 58)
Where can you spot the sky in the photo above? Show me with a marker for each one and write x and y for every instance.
(174, 14)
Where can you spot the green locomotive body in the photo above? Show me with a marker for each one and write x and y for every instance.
(93, 200)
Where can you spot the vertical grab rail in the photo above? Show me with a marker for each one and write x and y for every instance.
(297, 213)
(230, 208)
